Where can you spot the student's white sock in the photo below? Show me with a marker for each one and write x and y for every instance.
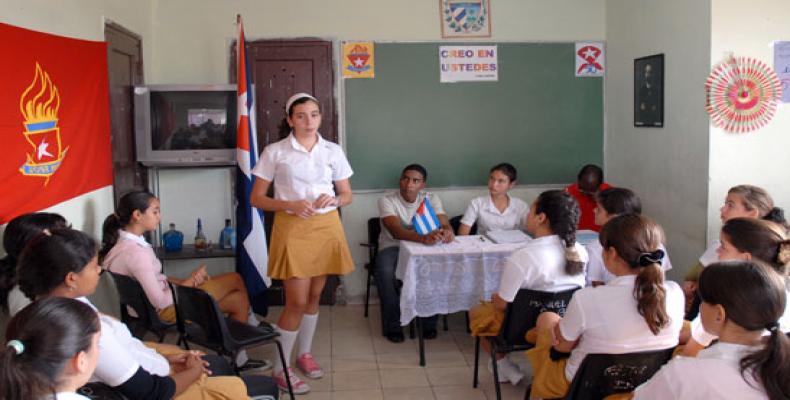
(306, 332)
(252, 320)
(287, 340)
(241, 358)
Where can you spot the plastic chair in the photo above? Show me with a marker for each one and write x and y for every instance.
(520, 316)
(200, 321)
(100, 391)
(374, 230)
(602, 375)
(145, 317)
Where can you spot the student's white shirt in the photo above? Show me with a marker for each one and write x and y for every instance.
(596, 270)
(121, 354)
(605, 320)
(483, 211)
(539, 265)
(394, 205)
(709, 256)
(16, 300)
(300, 174)
(714, 374)
(70, 396)
(704, 338)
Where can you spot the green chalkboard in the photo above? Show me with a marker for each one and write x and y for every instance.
(538, 116)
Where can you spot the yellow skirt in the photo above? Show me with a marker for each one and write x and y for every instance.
(304, 248)
(549, 380)
(485, 319)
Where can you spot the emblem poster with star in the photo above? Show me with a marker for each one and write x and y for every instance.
(358, 60)
(54, 120)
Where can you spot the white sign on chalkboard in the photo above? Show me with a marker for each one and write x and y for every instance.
(468, 63)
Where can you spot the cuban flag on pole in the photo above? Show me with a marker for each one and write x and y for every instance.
(251, 254)
(424, 219)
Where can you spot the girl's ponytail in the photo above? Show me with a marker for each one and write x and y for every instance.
(15, 381)
(636, 239)
(110, 234)
(562, 211)
(771, 364)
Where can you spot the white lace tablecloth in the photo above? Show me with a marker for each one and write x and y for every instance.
(447, 278)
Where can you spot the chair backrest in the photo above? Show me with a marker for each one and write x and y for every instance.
(455, 223)
(522, 314)
(198, 307)
(132, 295)
(601, 375)
(374, 230)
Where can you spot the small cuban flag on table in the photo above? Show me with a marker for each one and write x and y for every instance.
(425, 220)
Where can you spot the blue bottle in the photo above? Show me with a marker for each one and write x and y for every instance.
(227, 238)
(173, 239)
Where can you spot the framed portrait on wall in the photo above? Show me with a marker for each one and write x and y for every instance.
(649, 91)
(465, 18)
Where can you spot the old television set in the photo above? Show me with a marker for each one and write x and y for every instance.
(185, 125)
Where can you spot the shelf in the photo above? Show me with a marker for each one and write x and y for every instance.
(188, 251)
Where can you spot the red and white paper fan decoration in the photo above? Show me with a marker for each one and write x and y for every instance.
(742, 94)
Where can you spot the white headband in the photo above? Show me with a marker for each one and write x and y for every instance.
(296, 97)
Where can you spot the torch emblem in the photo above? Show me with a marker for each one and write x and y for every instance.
(39, 105)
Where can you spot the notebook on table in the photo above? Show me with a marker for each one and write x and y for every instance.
(510, 236)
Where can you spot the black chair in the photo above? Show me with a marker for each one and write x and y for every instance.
(374, 230)
(145, 317)
(520, 316)
(100, 391)
(200, 321)
(602, 375)
(455, 222)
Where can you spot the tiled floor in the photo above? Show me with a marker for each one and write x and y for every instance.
(362, 364)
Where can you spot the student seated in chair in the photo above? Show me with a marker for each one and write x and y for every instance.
(552, 262)
(637, 311)
(498, 210)
(64, 263)
(397, 211)
(740, 301)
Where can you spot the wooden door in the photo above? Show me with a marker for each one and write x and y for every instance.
(125, 65)
(281, 68)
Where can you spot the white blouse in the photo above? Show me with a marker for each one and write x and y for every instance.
(299, 174)
(483, 211)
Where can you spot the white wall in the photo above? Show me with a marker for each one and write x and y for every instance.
(760, 157)
(81, 19)
(667, 167)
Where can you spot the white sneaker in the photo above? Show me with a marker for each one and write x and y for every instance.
(508, 371)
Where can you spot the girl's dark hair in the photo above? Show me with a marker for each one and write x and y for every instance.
(52, 331)
(754, 298)
(757, 198)
(416, 167)
(283, 127)
(127, 205)
(507, 169)
(618, 201)
(764, 240)
(562, 212)
(17, 233)
(48, 258)
(636, 239)
(591, 170)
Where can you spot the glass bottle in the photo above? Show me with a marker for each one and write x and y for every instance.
(227, 238)
(173, 239)
(200, 237)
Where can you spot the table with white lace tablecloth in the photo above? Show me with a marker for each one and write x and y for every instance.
(451, 277)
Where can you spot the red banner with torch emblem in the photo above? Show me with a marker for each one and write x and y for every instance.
(54, 120)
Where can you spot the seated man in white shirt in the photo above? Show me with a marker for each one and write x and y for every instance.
(396, 211)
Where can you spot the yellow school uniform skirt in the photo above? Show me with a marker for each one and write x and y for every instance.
(304, 248)
(548, 380)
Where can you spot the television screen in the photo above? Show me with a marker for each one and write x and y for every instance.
(193, 120)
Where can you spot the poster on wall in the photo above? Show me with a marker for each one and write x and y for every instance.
(54, 120)
(468, 63)
(465, 18)
(590, 59)
(782, 68)
(358, 60)
(649, 91)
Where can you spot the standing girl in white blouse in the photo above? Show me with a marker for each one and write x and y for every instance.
(310, 177)
(498, 210)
